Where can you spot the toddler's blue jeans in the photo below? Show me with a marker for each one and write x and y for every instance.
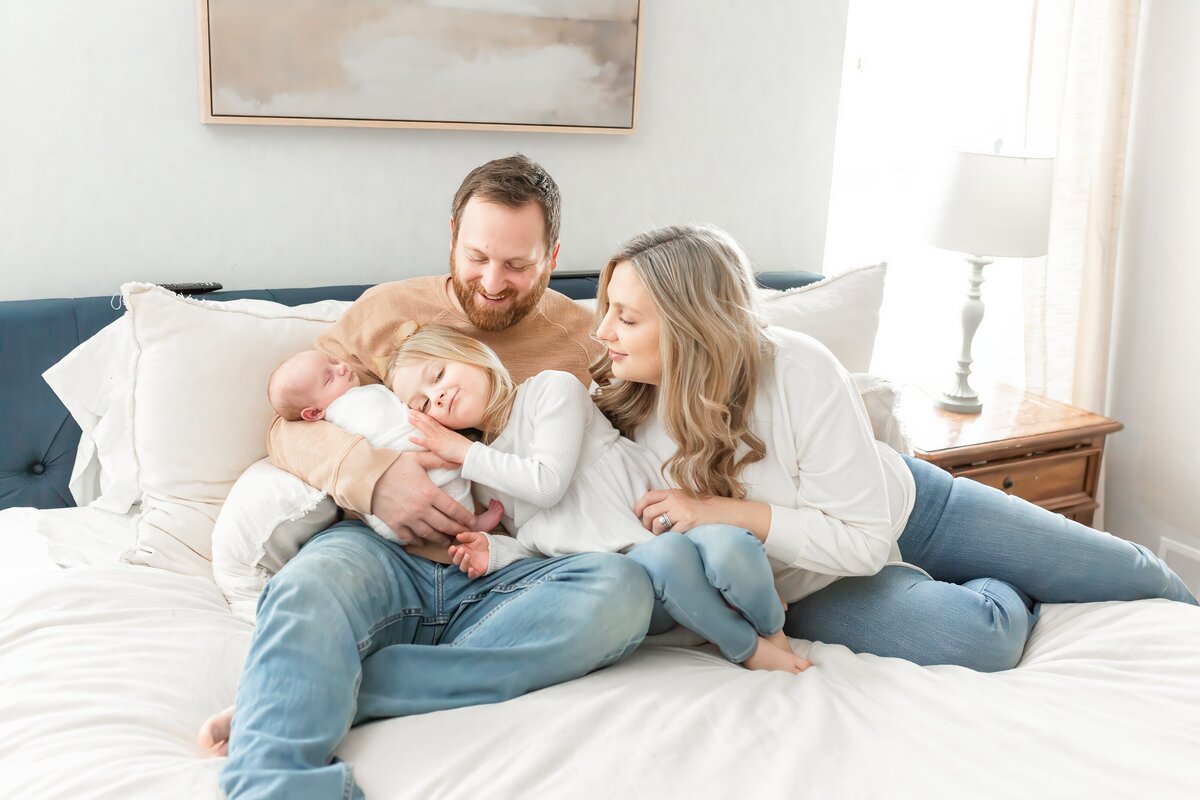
(716, 581)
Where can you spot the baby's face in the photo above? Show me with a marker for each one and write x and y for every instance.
(316, 380)
(453, 393)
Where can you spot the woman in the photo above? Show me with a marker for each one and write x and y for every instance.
(761, 428)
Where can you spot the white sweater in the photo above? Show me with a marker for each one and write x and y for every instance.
(568, 480)
(839, 499)
(382, 417)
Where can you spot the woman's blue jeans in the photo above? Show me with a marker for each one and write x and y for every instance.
(992, 557)
(716, 581)
(354, 628)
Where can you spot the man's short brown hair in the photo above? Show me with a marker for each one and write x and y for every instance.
(513, 182)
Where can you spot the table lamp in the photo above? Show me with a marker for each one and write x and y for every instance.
(993, 206)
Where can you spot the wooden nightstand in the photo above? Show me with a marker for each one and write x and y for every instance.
(1044, 451)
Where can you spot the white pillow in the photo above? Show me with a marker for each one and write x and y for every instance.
(841, 312)
(881, 399)
(92, 381)
(199, 409)
(267, 516)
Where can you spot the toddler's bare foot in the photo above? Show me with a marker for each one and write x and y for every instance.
(780, 640)
(214, 733)
(771, 657)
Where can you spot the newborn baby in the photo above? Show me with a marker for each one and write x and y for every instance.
(311, 386)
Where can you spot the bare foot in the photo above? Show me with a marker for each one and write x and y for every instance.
(214, 733)
(772, 657)
(490, 518)
(780, 640)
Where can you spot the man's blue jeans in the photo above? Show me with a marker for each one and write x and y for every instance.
(992, 557)
(715, 580)
(354, 628)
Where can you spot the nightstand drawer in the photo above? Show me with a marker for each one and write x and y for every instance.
(1038, 478)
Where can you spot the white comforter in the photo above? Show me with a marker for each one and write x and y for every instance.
(107, 670)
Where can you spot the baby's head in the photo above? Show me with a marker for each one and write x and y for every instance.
(458, 381)
(303, 386)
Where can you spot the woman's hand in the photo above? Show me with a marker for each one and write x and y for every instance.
(685, 513)
(436, 438)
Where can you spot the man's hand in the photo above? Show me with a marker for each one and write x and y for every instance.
(471, 553)
(408, 502)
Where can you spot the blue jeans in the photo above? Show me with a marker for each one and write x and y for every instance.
(354, 628)
(716, 581)
(992, 557)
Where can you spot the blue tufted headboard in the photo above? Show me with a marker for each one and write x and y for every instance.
(38, 438)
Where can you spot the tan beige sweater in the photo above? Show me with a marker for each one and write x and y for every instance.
(554, 336)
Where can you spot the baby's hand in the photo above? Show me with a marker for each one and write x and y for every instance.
(437, 438)
(489, 519)
(471, 553)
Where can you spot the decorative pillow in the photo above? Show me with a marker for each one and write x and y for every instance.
(199, 409)
(880, 397)
(841, 312)
(92, 381)
(267, 516)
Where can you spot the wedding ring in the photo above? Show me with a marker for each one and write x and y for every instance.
(664, 520)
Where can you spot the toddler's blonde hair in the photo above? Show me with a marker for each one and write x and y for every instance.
(442, 341)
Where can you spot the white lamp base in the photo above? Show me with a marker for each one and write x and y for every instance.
(962, 397)
(963, 405)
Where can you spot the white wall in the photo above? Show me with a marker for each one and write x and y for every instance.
(107, 174)
(1153, 484)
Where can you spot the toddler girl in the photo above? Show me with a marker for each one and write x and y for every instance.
(568, 482)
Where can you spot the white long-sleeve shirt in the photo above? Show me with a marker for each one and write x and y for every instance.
(567, 479)
(377, 414)
(839, 499)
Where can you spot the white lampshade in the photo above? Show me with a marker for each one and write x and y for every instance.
(995, 205)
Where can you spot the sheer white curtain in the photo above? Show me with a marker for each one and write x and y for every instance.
(1082, 79)
(920, 79)
(924, 77)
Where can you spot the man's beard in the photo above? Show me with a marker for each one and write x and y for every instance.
(500, 317)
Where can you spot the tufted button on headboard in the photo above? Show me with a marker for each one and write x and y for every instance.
(38, 438)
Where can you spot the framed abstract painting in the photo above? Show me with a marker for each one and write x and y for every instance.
(532, 65)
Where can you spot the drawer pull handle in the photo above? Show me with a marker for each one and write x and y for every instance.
(1008, 483)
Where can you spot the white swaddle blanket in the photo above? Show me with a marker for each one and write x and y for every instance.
(376, 413)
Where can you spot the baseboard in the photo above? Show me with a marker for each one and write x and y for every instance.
(1183, 559)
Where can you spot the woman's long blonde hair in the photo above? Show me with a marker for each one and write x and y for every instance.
(712, 342)
(443, 342)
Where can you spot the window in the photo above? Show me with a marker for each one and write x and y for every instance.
(920, 79)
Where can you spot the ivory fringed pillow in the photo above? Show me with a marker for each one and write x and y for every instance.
(841, 312)
(268, 515)
(198, 410)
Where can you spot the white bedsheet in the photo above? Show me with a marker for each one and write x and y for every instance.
(106, 671)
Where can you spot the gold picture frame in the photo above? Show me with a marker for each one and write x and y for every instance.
(563, 66)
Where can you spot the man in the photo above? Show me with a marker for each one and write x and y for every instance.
(345, 631)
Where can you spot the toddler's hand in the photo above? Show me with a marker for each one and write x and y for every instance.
(471, 553)
(437, 438)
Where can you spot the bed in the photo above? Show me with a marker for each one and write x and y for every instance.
(107, 669)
